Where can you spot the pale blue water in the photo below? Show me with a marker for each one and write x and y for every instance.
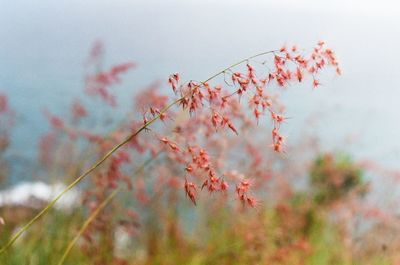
(43, 45)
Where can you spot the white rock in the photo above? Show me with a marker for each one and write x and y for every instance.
(34, 194)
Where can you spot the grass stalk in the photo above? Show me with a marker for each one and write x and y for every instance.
(110, 153)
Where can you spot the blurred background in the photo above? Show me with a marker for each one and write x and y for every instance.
(44, 46)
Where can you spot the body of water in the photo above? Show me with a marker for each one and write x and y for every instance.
(43, 46)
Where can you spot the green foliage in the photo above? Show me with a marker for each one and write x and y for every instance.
(333, 177)
(45, 243)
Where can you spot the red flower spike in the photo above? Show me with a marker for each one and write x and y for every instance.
(176, 77)
(257, 114)
(252, 202)
(190, 190)
(189, 168)
(316, 83)
(224, 186)
(277, 147)
(174, 147)
(205, 184)
(299, 74)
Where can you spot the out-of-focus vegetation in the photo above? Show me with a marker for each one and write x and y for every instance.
(334, 177)
(299, 230)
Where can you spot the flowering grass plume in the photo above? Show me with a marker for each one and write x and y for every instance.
(195, 119)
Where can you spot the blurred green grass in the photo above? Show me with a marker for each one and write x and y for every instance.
(222, 236)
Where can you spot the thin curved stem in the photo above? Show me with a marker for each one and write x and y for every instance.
(110, 153)
(88, 221)
(80, 178)
(94, 214)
